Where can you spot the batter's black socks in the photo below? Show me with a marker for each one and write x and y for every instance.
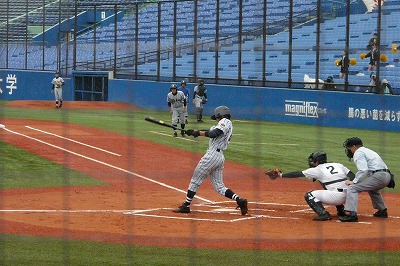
(230, 194)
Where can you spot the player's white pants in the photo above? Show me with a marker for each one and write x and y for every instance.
(329, 197)
(177, 115)
(198, 102)
(58, 94)
(211, 164)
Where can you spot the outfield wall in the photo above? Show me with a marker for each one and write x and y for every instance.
(313, 107)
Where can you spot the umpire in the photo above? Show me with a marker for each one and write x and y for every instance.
(372, 176)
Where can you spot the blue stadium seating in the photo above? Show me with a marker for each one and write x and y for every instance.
(332, 42)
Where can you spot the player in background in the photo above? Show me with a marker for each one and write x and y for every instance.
(185, 91)
(56, 88)
(332, 177)
(212, 163)
(177, 106)
(199, 99)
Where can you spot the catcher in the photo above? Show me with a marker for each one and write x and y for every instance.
(332, 177)
(56, 88)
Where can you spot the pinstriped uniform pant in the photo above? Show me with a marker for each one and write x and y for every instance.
(211, 164)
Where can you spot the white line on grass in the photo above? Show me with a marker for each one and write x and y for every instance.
(106, 164)
(168, 135)
(87, 145)
(266, 143)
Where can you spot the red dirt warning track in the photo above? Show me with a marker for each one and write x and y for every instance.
(144, 185)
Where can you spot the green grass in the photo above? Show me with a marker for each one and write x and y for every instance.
(259, 144)
(21, 169)
(23, 250)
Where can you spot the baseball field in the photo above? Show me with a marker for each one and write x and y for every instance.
(93, 183)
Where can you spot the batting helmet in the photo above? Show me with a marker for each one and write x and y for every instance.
(173, 86)
(318, 156)
(221, 112)
(183, 82)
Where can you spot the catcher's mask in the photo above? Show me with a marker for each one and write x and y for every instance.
(318, 156)
(221, 112)
(350, 142)
(173, 87)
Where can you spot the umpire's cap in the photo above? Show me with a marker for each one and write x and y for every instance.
(220, 112)
(354, 141)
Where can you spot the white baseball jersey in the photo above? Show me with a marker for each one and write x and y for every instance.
(332, 176)
(58, 83)
(177, 100)
(221, 142)
(212, 163)
(177, 103)
(198, 95)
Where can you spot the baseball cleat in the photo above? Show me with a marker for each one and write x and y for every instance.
(175, 134)
(340, 211)
(381, 214)
(341, 214)
(182, 133)
(349, 218)
(242, 204)
(323, 217)
(182, 209)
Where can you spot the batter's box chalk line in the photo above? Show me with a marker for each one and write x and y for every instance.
(210, 208)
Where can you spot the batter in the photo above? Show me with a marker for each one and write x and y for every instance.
(56, 88)
(212, 163)
(177, 107)
(332, 177)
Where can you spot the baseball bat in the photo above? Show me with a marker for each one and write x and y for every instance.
(161, 123)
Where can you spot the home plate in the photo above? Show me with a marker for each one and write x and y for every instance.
(223, 209)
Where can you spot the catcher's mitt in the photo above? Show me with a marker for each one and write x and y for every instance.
(273, 174)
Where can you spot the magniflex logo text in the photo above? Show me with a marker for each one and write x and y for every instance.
(302, 108)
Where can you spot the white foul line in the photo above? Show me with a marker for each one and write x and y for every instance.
(106, 164)
(163, 134)
(87, 145)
